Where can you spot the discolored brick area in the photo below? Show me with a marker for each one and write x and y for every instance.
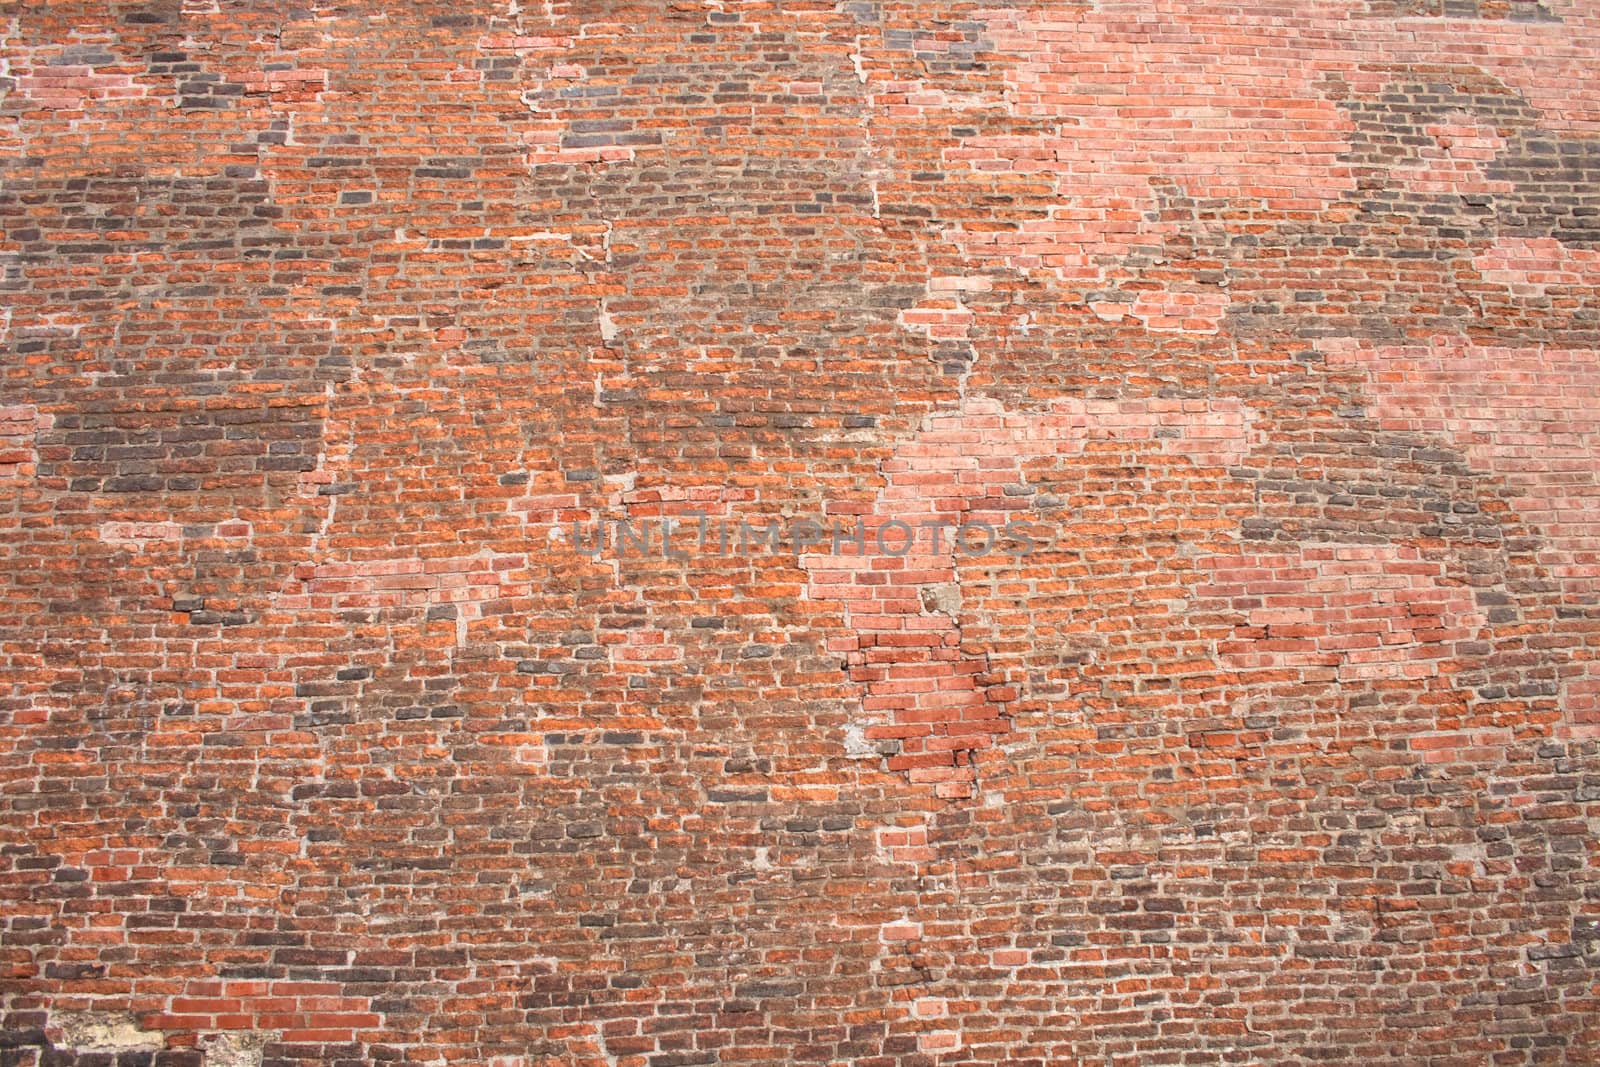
(1265, 341)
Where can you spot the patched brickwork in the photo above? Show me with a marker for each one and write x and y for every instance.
(665, 534)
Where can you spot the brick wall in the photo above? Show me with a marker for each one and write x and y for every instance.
(1181, 642)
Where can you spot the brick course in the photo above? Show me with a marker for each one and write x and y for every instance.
(330, 332)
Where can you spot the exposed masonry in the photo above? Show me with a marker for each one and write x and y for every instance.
(321, 744)
(961, 489)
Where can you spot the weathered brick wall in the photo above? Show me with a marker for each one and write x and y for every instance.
(1265, 338)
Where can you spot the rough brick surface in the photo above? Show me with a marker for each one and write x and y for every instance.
(1265, 341)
